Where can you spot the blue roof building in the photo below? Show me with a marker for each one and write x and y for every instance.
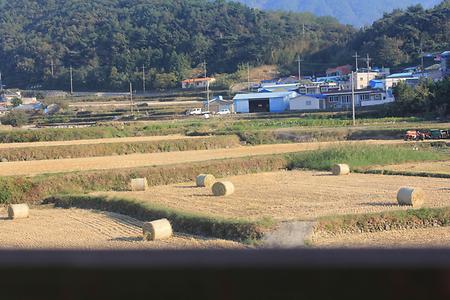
(263, 102)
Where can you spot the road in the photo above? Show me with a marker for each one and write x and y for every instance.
(157, 159)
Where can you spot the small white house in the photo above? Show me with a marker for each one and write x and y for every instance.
(307, 102)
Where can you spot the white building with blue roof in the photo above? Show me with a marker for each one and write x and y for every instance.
(263, 102)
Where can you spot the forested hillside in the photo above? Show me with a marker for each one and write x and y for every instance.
(400, 37)
(108, 41)
(355, 12)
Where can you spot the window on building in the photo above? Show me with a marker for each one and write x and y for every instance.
(333, 99)
(364, 97)
(377, 96)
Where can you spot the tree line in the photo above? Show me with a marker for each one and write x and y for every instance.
(109, 43)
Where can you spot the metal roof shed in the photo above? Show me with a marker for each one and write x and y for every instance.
(263, 102)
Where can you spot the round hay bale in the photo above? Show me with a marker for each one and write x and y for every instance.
(205, 180)
(157, 230)
(139, 184)
(18, 211)
(410, 196)
(340, 169)
(223, 188)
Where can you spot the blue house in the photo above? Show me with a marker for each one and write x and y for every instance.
(263, 102)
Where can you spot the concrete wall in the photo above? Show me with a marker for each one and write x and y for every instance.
(304, 103)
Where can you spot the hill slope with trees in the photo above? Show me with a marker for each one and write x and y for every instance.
(107, 42)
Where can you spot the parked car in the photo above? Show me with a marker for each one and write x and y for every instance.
(194, 112)
(224, 111)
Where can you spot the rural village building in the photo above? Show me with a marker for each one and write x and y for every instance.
(218, 104)
(339, 71)
(263, 102)
(307, 102)
(368, 97)
(197, 83)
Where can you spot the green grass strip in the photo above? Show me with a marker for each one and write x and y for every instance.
(358, 156)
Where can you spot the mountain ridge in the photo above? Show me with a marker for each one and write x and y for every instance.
(353, 12)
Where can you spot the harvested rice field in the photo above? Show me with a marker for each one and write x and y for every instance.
(49, 228)
(411, 238)
(31, 168)
(295, 195)
(439, 167)
(98, 141)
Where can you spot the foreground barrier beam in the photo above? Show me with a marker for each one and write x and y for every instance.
(262, 274)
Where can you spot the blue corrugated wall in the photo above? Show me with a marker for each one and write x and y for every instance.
(279, 104)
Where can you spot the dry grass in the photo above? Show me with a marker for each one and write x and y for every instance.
(158, 159)
(82, 229)
(294, 195)
(416, 238)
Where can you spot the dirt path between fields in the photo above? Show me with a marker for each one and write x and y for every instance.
(157, 159)
(49, 228)
(99, 141)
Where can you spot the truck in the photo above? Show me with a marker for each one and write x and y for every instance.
(437, 134)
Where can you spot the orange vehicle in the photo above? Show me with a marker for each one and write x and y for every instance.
(416, 135)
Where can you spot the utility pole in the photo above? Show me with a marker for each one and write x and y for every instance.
(368, 60)
(299, 61)
(71, 80)
(131, 99)
(356, 56)
(143, 78)
(248, 77)
(421, 58)
(353, 102)
(52, 68)
(207, 85)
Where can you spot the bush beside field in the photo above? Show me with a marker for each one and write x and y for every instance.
(95, 150)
